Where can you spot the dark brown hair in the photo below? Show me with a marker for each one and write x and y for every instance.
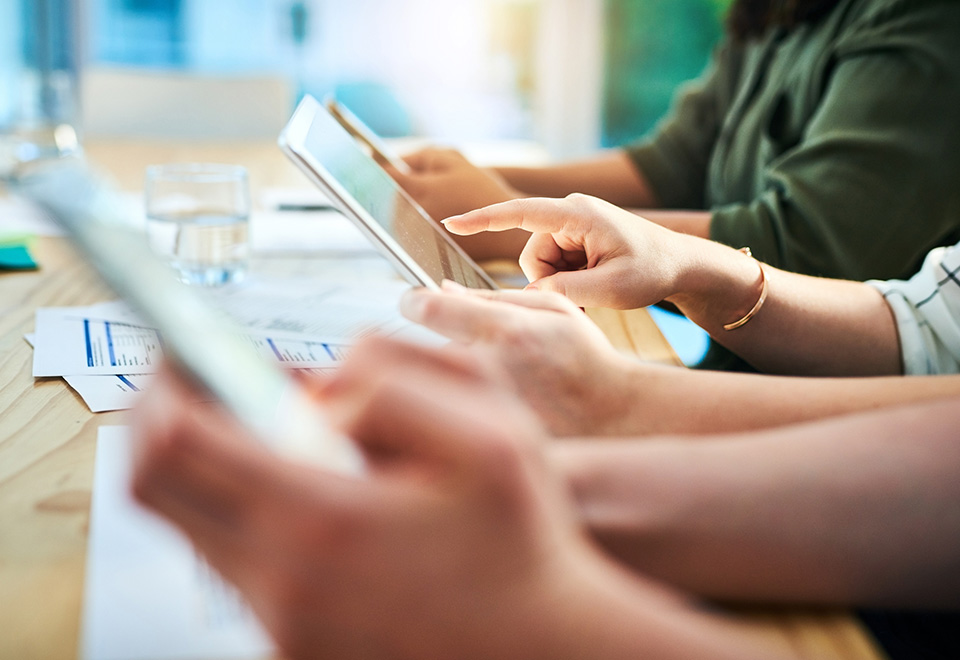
(751, 18)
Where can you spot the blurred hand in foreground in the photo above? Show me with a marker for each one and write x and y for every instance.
(458, 537)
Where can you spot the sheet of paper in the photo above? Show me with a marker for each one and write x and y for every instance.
(147, 594)
(105, 393)
(68, 342)
(317, 309)
(320, 232)
(71, 345)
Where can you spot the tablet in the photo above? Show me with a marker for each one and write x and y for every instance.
(362, 133)
(203, 343)
(418, 246)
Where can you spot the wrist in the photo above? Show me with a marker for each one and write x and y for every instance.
(717, 285)
(630, 404)
(585, 606)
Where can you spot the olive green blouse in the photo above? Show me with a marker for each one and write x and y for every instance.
(831, 149)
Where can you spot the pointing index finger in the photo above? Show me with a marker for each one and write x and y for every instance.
(538, 215)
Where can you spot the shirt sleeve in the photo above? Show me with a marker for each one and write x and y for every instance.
(927, 313)
(675, 158)
(872, 183)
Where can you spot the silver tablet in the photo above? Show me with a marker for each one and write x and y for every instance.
(418, 246)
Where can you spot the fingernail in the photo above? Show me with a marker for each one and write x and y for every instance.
(412, 303)
(531, 287)
(452, 218)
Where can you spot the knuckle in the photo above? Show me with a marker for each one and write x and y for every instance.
(514, 336)
(580, 200)
(432, 310)
(558, 300)
(554, 286)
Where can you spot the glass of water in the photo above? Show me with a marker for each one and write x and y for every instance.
(39, 101)
(198, 219)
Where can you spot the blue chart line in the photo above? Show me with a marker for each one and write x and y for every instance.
(329, 352)
(126, 381)
(275, 351)
(113, 360)
(86, 335)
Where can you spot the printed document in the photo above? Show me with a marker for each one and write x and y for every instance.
(147, 594)
(69, 342)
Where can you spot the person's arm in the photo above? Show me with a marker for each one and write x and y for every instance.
(667, 169)
(695, 223)
(806, 326)
(868, 185)
(459, 542)
(562, 366)
(611, 176)
(854, 510)
(602, 256)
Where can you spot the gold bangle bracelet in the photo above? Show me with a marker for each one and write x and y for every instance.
(763, 296)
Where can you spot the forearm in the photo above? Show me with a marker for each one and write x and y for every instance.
(619, 615)
(611, 176)
(656, 400)
(830, 327)
(859, 509)
(694, 223)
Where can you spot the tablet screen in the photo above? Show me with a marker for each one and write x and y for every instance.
(327, 145)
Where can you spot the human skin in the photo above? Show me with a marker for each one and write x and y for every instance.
(546, 350)
(850, 510)
(460, 541)
(445, 183)
(599, 255)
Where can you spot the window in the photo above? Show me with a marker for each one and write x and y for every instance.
(574, 74)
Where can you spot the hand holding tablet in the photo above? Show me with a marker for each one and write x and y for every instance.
(417, 245)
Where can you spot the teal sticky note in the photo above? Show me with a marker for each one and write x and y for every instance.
(16, 257)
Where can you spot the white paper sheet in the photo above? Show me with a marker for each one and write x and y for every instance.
(308, 307)
(68, 342)
(105, 393)
(147, 595)
(320, 232)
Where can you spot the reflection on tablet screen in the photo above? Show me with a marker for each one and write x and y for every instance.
(330, 146)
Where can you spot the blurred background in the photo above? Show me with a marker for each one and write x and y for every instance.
(572, 75)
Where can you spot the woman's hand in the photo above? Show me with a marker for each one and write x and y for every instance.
(444, 183)
(596, 254)
(546, 348)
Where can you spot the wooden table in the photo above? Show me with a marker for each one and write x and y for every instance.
(47, 437)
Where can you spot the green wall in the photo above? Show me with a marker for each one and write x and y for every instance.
(652, 46)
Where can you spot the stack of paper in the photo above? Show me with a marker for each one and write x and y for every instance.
(107, 354)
